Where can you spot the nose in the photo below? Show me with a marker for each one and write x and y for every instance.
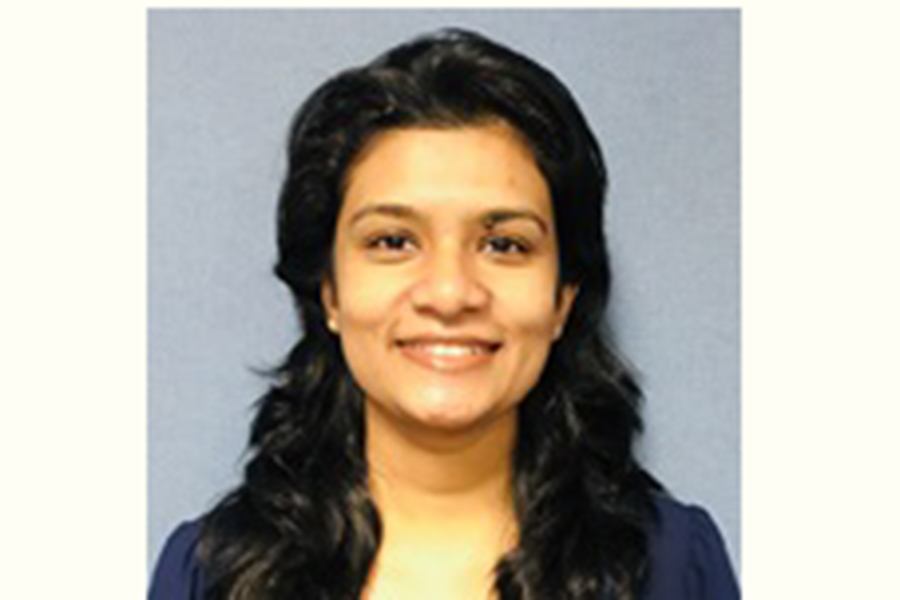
(450, 285)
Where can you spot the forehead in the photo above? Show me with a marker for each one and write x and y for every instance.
(472, 167)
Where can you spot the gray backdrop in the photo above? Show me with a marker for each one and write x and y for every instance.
(662, 91)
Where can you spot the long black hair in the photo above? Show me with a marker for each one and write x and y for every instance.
(302, 524)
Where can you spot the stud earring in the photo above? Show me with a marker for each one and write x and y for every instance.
(332, 325)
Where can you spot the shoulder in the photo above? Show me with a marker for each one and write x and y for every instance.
(688, 557)
(178, 575)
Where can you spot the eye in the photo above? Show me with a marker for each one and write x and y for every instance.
(390, 242)
(501, 244)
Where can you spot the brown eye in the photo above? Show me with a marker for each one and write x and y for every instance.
(391, 242)
(506, 245)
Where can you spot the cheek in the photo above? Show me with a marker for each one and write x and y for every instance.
(530, 305)
(366, 298)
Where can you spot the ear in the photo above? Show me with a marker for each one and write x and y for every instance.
(328, 296)
(564, 304)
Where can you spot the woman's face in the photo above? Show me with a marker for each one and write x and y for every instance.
(445, 278)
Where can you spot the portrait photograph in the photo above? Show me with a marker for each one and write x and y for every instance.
(444, 300)
(561, 302)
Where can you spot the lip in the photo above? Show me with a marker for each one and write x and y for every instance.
(449, 354)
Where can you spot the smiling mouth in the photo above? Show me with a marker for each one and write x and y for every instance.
(449, 355)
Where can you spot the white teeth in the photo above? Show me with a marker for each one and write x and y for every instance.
(450, 350)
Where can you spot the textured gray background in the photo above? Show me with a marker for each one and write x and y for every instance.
(662, 91)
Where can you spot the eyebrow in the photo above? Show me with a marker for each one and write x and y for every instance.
(494, 217)
(390, 210)
(490, 219)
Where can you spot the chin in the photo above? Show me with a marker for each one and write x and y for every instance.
(453, 414)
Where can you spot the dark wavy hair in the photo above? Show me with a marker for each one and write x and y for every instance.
(302, 524)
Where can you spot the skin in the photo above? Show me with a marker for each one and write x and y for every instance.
(445, 298)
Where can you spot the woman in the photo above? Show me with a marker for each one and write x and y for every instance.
(454, 422)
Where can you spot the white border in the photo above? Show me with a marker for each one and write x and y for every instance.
(820, 304)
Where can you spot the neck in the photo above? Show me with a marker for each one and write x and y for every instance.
(441, 484)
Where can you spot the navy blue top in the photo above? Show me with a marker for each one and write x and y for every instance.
(688, 560)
